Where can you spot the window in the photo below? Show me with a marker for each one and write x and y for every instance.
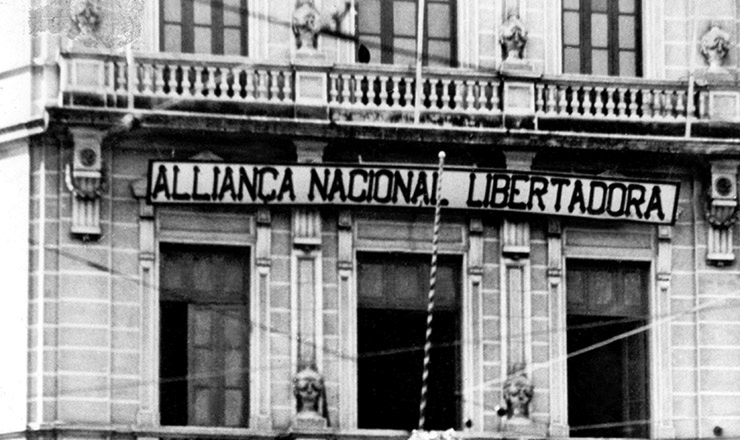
(387, 28)
(391, 320)
(607, 385)
(602, 37)
(204, 26)
(204, 336)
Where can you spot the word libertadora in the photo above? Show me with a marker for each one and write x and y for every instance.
(479, 189)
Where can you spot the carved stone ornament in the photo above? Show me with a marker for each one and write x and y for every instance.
(518, 392)
(513, 37)
(310, 393)
(715, 44)
(417, 434)
(308, 23)
(109, 23)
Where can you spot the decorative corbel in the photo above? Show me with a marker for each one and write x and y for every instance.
(85, 178)
(722, 212)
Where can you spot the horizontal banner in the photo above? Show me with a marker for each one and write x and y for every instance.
(476, 189)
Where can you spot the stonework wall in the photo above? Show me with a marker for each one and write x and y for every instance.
(282, 400)
(491, 322)
(682, 33)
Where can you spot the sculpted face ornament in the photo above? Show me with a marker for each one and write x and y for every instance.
(714, 46)
(308, 388)
(518, 392)
(308, 23)
(513, 37)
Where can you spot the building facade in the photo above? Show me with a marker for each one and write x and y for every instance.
(226, 229)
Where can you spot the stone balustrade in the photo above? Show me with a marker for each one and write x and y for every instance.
(363, 93)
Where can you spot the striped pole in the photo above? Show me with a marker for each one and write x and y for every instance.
(432, 286)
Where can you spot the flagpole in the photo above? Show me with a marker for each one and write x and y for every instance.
(432, 289)
(419, 56)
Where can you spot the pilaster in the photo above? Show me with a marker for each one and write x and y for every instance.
(307, 323)
(558, 426)
(347, 322)
(148, 414)
(260, 380)
(660, 342)
(473, 378)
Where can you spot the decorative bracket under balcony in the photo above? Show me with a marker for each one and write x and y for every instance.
(722, 212)
(85, 179)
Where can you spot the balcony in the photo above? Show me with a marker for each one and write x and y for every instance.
(384, 95)
(61, 431)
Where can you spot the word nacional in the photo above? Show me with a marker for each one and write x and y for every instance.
(472, 189)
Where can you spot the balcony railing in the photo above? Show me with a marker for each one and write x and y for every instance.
(362, 94)
(62, 431)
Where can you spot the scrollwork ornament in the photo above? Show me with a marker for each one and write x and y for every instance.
(718, 221)
(83, 193)
(109, 23)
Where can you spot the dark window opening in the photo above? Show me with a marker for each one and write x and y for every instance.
(602, 37)
(203, 26)
(392, 302)
(204, 336)
(387, 31)
(607, 386)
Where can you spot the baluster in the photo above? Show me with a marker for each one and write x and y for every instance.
(211, 82)
(645, 107)
(680, 104)
(172, 80)
(599, 102)
(249, 84)
(562, 102)
(633, 104)
(110, 82)
(539, 98)
(357, 89)
(587, 101)
(658, 100)
(396, 96)
(202, 86)
(433, 95)
(575, 104)
(622, 106)
(372, 92)
(223, 84)
(408, 93)
(159, 80)
(610, 101)
(287, 86)
(470, 96)
(459, 91)
(383, 91)
(236, 85)
(186, 84)
(147, 79)
(446, 94)
(262, 90)
(550, 102)
(346, 83)
(494, 96)
(274, 86)
(333, 88)
(121, 80)
(703, 96)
